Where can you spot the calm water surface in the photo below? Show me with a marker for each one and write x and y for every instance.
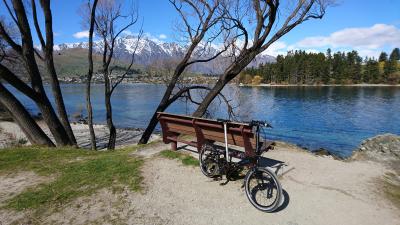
(335, 118)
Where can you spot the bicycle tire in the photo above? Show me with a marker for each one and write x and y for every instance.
(208, 149)
(273, 183)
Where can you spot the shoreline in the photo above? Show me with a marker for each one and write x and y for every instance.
(267, 85)
(11, 135)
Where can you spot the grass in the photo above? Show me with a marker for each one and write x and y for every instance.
(76, 173)
(186, 159)
(391, 187)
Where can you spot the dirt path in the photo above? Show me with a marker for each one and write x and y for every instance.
(319, 190)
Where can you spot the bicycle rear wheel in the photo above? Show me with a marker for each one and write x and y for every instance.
(209, 161)
(263, 189)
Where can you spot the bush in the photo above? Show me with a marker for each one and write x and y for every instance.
(256, 80)
(394, 78)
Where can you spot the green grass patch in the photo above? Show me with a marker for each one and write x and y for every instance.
(77, 173)
(186, 159)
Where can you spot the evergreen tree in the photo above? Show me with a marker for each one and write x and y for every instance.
(327, 76)
(371, 71)
(299, 67)
(395, 55)
(383, 57)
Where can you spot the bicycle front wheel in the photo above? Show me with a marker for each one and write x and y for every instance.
(263, 189)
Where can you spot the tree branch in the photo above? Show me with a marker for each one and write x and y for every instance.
(131, 63)
(12, 79)
(37, 27)
(3, 33)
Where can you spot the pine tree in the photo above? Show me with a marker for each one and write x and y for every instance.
(391, 65)
(371, 71)
(383, 57)
(395, 55)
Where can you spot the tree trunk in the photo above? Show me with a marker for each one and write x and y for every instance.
(167, 94)
(211, 95)
(21, 116)
(55, 85)
(89, 78)
(231, 72)
(62, 113)
(28, 55)
(152, 124)
(90, 112)
(110, 124)
(52, 121)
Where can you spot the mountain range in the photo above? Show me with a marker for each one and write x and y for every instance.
(153, 52)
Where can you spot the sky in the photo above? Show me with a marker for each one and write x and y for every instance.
(368, 26)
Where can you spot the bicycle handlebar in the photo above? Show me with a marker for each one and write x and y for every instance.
(223, 120)
(260, 123)
(252, 123)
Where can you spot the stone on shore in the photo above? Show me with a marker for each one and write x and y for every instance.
(383, 148)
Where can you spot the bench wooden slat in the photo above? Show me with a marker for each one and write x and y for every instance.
(234, 138)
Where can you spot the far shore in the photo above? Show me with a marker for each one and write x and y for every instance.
(271, 85)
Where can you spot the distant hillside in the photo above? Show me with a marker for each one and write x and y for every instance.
(148, 53)
(74, 62)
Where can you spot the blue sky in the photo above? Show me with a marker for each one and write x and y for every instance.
(367, 26)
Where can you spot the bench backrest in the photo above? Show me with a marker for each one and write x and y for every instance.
(239, 134)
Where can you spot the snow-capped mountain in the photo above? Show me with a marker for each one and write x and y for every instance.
(152, 52)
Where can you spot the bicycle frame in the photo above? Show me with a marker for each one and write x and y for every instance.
(226, 141)
(244, 161)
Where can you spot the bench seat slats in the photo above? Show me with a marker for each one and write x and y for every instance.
(234, 138)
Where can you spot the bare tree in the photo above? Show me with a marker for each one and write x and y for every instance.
(199, 17)
(108, 14)
(255, 39)
(23, 47)
(47, 43)
(90, 75)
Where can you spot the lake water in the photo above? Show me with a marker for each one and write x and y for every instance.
(334, 118)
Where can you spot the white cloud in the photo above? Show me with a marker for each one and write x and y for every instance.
(81, 34)
(151, 37)
(369, 53)
(162, 36)
(377, 36)
(127, 32)
(276, 48)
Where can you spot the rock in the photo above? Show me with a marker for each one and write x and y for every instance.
(388, 144)
(324, 152)
(381, 148)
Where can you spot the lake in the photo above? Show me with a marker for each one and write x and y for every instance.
(334, 118)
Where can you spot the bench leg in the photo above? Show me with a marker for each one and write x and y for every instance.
(174, 146)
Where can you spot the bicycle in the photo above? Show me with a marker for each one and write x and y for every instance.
(262, 186)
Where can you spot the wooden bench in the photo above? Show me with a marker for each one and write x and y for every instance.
(209, 131)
